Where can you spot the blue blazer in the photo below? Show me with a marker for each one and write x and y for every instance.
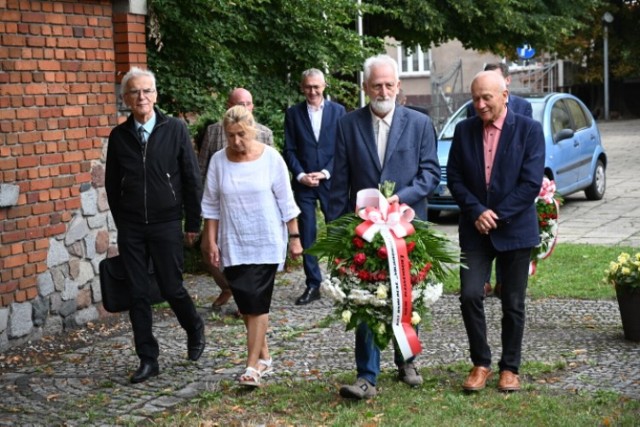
(411, 160)
(514, 103)
(302, 152)
(515, 181)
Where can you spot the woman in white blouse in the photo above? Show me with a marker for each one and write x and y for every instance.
(250, 216)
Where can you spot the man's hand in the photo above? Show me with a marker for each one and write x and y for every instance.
(312, 179)
(486, 222)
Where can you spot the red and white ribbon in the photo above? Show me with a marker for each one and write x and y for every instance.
(393, 222)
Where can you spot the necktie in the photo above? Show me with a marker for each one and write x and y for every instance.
(142, 135)
(382, 140)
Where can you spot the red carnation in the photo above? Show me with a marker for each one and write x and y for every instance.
(382, 253)
(364, 275)
(411, 246)
(358, 242)
(381, 276)
(359, 258)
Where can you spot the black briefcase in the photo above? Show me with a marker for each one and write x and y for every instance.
(114, 285)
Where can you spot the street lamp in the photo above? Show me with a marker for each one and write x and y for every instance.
(607, 19)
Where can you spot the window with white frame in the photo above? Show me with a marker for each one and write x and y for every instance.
(413, 61)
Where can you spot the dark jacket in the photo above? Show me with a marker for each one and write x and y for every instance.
(515, 182)
(156, 182)
(302, 152)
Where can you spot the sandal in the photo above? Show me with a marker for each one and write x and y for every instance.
(251, 377)
(265, 364)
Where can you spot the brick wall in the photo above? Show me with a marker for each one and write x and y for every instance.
(60, 62)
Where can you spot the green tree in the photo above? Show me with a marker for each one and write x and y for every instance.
(201, 49)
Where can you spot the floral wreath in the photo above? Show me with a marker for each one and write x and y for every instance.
(548, 208)
(359, 280)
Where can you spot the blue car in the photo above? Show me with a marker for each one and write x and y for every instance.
(575, 158)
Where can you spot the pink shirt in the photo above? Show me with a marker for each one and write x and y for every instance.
(490, 138)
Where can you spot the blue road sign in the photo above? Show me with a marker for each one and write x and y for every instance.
(525, 51)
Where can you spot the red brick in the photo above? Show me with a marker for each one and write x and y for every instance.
(12, 40)
(75, 133)
(54, 135)
(25, 162)
(35, 41)
(20, 296)
(16, 248)
(8, 287)
(42, 208)
(15, 261)
(72, 111)
(72, 204)
(72, 156)
(9, 15)
(37, 256)
(29, 137)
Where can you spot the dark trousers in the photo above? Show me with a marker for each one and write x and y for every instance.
(307, 201)
(514, 272)
(163, 245)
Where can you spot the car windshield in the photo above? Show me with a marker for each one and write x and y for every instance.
(447, 131)
(537, 105)
(538, 108)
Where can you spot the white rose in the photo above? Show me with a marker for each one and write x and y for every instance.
(346, 316)
(381, 292)
(415, 318)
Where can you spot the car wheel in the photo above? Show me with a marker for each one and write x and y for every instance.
(596, 190)
(432, 215)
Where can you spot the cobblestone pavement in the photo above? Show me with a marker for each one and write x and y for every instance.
(89, 385)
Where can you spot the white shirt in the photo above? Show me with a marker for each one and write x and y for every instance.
(253, 202)
(382, 138)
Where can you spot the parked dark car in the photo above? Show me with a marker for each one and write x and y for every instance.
(575, 158)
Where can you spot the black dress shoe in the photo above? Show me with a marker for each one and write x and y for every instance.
(195, 344)
(144, 372)
(309, 295)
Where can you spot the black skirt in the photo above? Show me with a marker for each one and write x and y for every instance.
(252, 286)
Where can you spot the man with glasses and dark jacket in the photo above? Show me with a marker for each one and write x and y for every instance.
(152, 177)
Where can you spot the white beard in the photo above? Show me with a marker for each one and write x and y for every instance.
(383, 106)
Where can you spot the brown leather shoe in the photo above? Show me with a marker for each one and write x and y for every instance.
(477, 379)
(508, 381)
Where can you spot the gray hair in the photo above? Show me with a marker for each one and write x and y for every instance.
(136, 72)
(312, 72)
(378, 60)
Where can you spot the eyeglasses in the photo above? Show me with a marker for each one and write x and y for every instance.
(137, 92)
(312, 87)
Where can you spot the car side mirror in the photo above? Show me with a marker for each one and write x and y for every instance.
(563, 134)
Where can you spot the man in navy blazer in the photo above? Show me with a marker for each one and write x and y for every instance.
(517, 105)
(309, 144)
(406, 154)
(494, 172)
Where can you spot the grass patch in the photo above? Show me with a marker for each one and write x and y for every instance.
(440, 401)
(572, 271)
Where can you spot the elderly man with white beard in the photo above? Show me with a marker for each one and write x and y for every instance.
(382, 142)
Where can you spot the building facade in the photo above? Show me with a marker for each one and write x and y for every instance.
(61, 61)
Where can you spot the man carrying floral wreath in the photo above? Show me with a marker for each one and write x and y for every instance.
(377, 143)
